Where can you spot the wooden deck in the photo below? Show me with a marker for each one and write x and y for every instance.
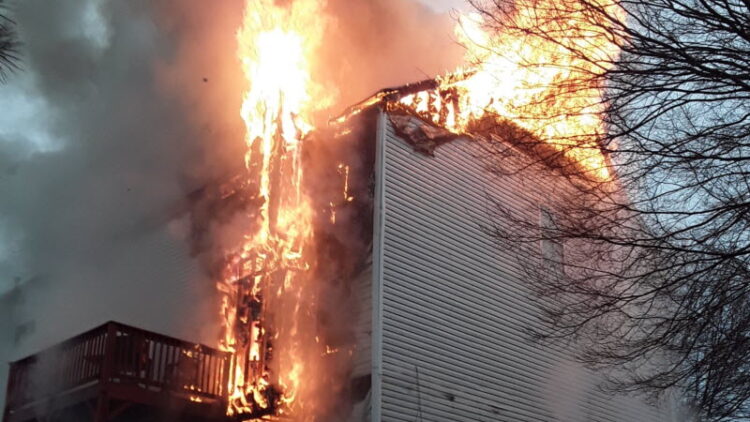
(117, 372)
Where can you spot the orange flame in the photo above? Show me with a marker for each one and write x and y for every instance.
(276, 44)
(540, 84)
(266, 290)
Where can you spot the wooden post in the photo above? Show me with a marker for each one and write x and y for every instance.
(227, 366)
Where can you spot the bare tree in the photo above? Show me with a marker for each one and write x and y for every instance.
(9, 55)
(656, 282)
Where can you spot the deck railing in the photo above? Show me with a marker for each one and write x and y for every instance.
(115, 353)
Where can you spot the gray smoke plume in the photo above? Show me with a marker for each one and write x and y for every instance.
(97, 150)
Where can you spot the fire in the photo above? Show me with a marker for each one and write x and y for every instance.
(267, 289)
(269, 273)
(539, 84)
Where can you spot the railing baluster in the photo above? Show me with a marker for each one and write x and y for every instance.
(163, 364)
(158, 354)
(171, 366)
(71, 353)
(76, 361)
(99, 356)
(218, 388)
(148, 348)
(210, 374)
(207, 373)
(78, 365)
(88, 356)
(225, 369)
(214, 380)
(82, 363)
(209, 379)
(201, 371)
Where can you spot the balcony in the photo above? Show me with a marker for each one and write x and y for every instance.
(116, 372)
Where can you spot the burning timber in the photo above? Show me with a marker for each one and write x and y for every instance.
(393, 95)
(424, 113)
(337, 164)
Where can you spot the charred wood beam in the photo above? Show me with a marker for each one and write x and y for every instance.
(395, 94)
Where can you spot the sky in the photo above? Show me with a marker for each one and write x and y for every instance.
(446, 5)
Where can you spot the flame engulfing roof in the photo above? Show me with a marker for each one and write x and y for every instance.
(426, 123)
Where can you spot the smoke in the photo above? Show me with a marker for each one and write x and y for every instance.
(121, 111)
(370, 45)
(114, 117)
(340, 182)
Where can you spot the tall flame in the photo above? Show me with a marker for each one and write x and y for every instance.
(269, 273)
(267, 288)
(539, 83)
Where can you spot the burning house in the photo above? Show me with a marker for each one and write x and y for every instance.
(412, 312)
(356, 281)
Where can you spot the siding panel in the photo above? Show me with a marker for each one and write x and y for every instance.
(455, 308)
(363, 330)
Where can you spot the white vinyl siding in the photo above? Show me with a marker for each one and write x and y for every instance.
(363, 329)
(455, 307)
(552, 250)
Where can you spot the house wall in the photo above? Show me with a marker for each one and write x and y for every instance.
(363, 325)
(454, 305)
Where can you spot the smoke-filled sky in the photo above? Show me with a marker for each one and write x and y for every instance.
(122, 108)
